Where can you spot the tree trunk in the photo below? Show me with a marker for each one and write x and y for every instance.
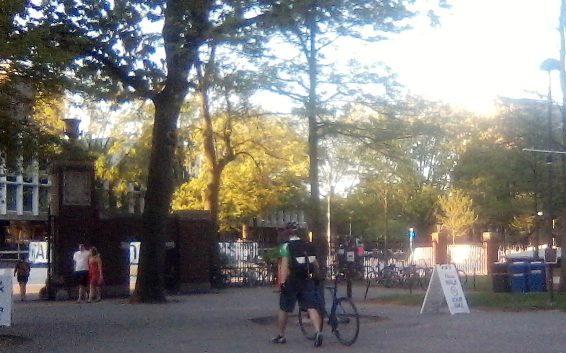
(316, 224)
(180, 56)
(213, 170)
(150, 282)
(212, 193)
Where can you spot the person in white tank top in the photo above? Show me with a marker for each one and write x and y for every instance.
(80, 260)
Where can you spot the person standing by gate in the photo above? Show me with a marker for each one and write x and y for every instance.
(21, 271)
(80, 260)
(298, 267)
(95, 278)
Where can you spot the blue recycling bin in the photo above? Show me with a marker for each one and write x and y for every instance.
(536, 278)
(518, 267)
(518, 283)
(518, 275)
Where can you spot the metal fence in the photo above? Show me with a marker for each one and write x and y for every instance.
(243, 264)
(470, 258)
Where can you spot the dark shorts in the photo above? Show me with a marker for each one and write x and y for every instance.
(302, 291)
(23, 279)
(81, 278)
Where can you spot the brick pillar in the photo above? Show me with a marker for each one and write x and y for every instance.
(491, 247)
(440, 247)
(195, 245)
(73, 217)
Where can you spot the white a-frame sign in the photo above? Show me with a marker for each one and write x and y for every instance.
(445, 286)
(5, 297)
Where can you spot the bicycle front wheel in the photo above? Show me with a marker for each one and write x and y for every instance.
(346, 325)
(306, 325)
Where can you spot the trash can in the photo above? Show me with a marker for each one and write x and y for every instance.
(536, 278)
(500, 277)
(518, 273)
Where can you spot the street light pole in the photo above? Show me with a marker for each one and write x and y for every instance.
(550, 65)
(386, 230)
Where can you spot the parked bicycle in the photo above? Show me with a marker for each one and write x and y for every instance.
(413, 276)
(410, 277)
(388, 276)
(343, 318)
(461, 274)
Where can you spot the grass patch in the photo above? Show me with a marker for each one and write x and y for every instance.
(516, 301)
(481, 296)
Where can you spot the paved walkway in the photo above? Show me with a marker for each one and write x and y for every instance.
(242, 321)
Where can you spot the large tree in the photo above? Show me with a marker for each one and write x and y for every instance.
(311, 29)
(147, 50)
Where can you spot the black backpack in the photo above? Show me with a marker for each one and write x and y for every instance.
(301, 259)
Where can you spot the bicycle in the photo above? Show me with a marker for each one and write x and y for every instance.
(462, 275)
(343, 318)
(415, 277)
(389, 276)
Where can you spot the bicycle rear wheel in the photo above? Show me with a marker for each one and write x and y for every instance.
(463, 277)
(306, 325)
(346, 326)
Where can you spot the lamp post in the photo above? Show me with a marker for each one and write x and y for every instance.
(538, 218)
(350, 226)
(549, 65)
(72, 128)
(386, 230)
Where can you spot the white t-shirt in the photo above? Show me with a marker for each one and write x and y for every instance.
(81, 260)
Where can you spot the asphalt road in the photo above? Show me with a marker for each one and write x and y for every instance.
(243, 320)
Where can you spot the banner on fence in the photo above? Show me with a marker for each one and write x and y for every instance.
(134, 252)
(445, 286)
(38, 252)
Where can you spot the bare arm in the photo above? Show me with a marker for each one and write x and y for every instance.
(284, 269)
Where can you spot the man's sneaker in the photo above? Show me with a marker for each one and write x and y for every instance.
(279, 339)
(318, 339)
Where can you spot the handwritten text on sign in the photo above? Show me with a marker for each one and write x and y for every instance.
(445, 286)
(452, 289)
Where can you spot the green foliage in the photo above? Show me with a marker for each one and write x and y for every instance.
(30, 125)
(456, 212)
(498, 178)
(404, 153)
(505, 182)
(269, 173)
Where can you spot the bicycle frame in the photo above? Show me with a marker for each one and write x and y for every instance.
(343, 317)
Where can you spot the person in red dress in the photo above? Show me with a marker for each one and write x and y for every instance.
(95, 275)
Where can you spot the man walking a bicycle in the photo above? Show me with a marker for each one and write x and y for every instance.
(298, 266)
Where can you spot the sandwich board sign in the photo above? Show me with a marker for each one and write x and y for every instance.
(445, 286)
(5, 298)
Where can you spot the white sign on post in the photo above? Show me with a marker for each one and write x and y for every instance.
(5, 298)
(445, 286)
(350, 257)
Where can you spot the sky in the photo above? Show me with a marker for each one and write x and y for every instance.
(483, 49)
